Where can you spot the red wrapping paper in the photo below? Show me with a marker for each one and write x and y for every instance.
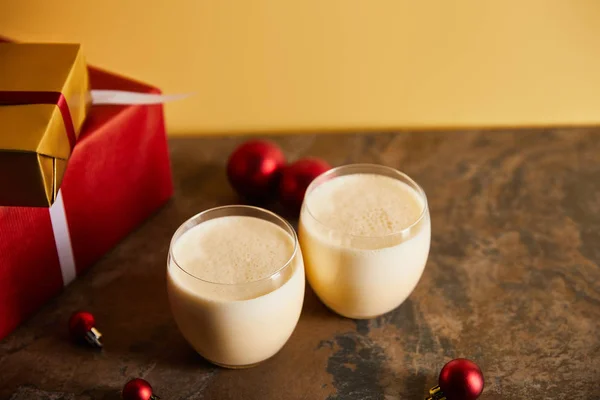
(118, 175)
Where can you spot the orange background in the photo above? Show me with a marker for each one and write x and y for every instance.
(278, 65)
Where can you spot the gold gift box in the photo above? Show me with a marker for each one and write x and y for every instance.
(44, 98)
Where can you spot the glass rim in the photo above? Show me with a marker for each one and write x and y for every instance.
(359, 166)
(184, 228)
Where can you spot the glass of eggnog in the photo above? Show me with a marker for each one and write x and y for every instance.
(365, 233)
(235, 280)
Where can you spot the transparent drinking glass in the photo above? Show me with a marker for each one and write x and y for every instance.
(364, 276)
(236, 325)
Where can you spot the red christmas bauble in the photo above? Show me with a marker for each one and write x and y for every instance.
(253, 169)
(80, 323)
(82, 327)
(296, 177)
(138, 389)
(461, 379)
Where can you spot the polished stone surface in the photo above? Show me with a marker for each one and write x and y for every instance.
(512, 282)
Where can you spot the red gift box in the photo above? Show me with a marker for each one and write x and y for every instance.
(118, 175)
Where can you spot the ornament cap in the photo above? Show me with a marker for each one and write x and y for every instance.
(93, 337)
(435, 393)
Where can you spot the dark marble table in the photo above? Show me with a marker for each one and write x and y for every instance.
(513, 282)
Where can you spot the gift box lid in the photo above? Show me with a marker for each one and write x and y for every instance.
(44, 97)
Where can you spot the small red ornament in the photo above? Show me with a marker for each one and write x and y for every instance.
(460, 379)
(253, 169)
(296, 177)
(138, 389)
(82, 326)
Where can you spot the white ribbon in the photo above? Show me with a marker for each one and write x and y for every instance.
(62, 239)
(124, 97)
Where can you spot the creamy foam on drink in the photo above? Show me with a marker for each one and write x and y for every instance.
(360, 259)
(365, 204)
(241, 310)
(233, 249)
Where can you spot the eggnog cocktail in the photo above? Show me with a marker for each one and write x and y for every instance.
(236, 284)
(365, 234)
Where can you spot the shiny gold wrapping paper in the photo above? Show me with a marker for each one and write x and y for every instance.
(34, 145)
